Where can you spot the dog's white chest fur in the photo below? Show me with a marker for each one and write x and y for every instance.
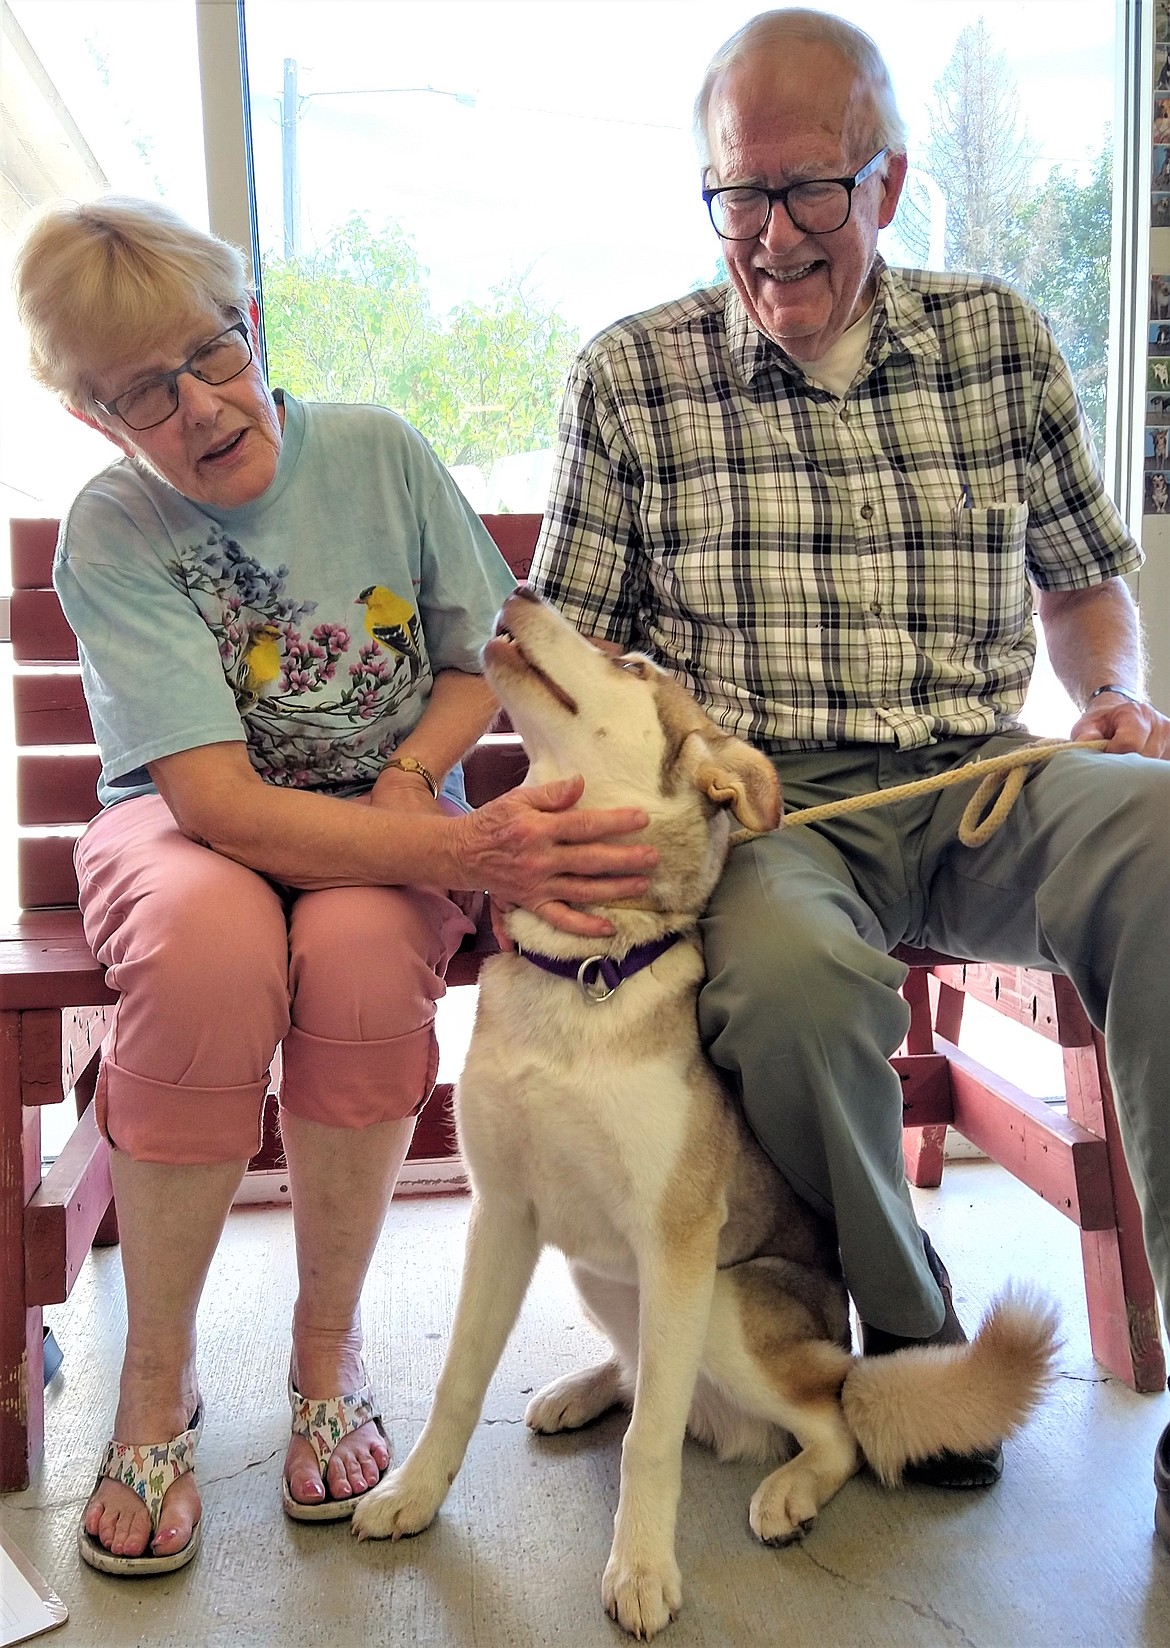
(580, 1109)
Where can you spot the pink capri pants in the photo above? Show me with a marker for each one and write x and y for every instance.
(217, 968)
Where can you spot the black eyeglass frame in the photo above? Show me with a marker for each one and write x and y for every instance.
(172, 379)
(781, 195)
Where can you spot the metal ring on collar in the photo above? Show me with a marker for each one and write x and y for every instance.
(594, 989)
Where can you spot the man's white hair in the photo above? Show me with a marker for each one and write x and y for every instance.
(767, 30)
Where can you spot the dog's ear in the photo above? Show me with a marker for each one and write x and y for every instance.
(725, 769)
(732, 774)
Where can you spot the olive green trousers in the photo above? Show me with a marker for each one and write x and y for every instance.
(802, 1011)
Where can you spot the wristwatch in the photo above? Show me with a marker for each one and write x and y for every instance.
(1122, 692)
(408, 763)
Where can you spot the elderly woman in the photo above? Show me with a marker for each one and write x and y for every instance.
(279, 608)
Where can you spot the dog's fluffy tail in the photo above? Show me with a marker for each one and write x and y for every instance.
(927, 1400)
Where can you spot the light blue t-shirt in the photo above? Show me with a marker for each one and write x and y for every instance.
(309, 624)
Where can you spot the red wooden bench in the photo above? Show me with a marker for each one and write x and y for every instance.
(1073, 1160)
(54, 1002)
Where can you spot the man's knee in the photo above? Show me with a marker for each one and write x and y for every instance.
(805, 980)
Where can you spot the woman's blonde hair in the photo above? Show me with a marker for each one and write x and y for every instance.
(97, 282)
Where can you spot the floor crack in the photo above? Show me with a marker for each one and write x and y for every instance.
(249, 1465)
(922, 1610)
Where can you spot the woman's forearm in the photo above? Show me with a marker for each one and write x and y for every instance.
(531, 847)
(299, 837)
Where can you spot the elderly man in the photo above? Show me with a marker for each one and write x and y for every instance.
(828, 496)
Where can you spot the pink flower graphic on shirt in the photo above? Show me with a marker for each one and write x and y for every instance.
(234, 634)
(309, 664)
(371, 676)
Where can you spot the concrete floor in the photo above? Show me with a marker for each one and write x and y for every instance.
(1062, 1552)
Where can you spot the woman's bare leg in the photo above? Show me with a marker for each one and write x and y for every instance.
(342, 1179)
(169, 1223)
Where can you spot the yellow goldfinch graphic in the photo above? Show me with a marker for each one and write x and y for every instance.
(392, 623)
(259, 666)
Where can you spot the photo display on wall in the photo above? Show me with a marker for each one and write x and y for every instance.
(1156, 440)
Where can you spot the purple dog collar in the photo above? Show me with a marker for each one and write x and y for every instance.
(599, 976)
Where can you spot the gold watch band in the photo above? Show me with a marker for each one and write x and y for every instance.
(410, 764)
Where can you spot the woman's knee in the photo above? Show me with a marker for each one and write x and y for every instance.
(209, 957)
(368, 963)
(174, 918)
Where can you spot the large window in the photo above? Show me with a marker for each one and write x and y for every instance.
(452, 196)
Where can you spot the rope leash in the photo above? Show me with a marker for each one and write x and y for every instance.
(1000, 779)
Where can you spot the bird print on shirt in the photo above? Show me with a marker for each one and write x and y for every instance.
(323, 701)
(260, 666)
(392, 623)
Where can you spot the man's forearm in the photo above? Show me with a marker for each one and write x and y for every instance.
(1093, 638)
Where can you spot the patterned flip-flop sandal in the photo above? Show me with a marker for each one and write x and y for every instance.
(148, 1469)
(324, 1422)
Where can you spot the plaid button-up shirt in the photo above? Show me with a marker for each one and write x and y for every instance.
(820, 570)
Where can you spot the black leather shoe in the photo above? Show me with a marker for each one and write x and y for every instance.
(983, 1468)
(1162, 1484)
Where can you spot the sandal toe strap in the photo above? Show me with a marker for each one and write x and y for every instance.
(326, 1421)
(149, 1469)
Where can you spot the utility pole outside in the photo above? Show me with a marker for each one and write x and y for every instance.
(288, 158)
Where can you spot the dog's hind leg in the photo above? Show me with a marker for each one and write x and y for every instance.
(786, 1503)
(578, 1398)
(765, 1353)
(501, 1254)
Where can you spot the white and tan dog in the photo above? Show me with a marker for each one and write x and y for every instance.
(590, 1119)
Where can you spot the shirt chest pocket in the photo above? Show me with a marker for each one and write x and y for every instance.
(977, 572)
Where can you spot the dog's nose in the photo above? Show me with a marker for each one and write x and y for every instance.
(525, 592)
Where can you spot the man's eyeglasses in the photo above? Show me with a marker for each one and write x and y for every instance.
(817, 206)
(148, 404)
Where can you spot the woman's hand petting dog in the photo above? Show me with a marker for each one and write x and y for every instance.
(531, 848)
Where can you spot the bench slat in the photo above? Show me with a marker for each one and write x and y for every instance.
(515, 537)
(62, 1218)
(1056, 1157)
(57, 788)
(57, 1049)
(495, 765)
(34, 544)
(49, 708)
(45, 877)
(40, 634)
(45, 962)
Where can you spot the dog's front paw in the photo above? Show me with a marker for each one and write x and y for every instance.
(403, 1503)
(575, 1400)
(642, 1596)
